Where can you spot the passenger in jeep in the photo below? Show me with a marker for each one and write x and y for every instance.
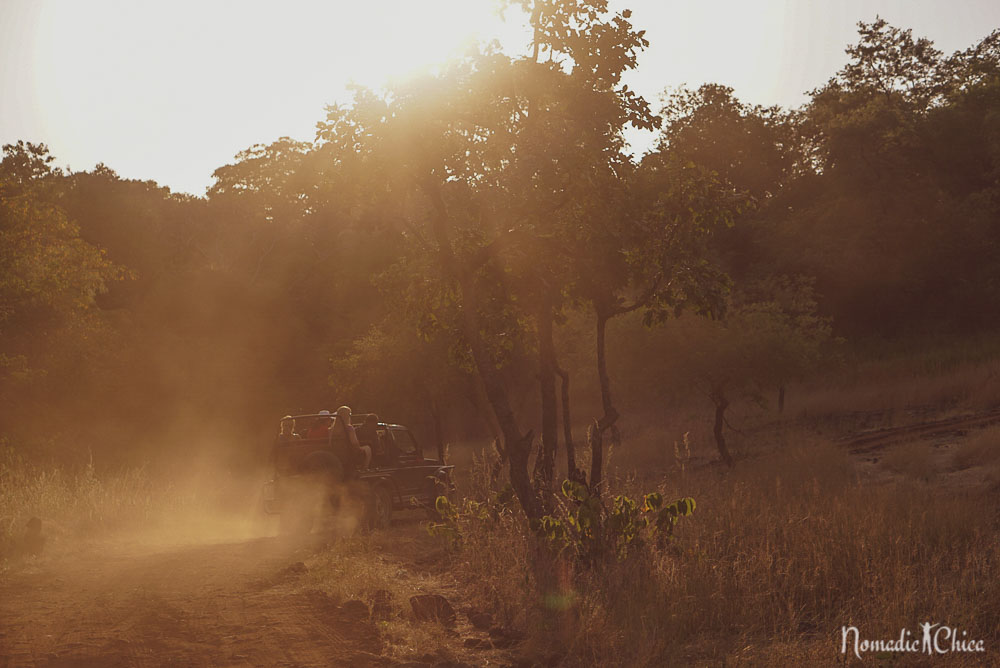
(368, 431)
(368, 435)
(288, 430)
(321, 427)
(344, 439)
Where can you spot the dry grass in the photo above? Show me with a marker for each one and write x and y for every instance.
(79, 499)
(780, 554)
(81, 503)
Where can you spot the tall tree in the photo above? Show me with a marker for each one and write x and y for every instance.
(497, 160)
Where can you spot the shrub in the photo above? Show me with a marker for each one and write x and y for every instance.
(591, 531)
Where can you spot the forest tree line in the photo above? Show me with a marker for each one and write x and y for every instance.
(452, 251)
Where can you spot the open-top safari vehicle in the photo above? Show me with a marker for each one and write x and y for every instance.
(313, 474)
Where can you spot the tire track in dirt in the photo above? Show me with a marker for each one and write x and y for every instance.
(954, 426)
(207, 605)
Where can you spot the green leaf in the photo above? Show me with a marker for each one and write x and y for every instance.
(446, 509)
(575, 491)
(652, 501)
(685, 506)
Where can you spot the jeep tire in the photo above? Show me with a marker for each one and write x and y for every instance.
(380, 507)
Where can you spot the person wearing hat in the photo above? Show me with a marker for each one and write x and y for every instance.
(321, 427)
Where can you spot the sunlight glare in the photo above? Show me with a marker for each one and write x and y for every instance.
(225, 74)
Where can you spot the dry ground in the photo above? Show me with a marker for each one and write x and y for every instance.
(129, 605)
(242, 602)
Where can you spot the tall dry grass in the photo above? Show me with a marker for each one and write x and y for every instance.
(71, 500)
(82, 502)
(780, 554)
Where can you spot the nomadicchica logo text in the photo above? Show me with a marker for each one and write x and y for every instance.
(929, 639)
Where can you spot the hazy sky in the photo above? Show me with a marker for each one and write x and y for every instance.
(171, 91)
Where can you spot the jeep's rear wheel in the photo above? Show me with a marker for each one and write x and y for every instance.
(380, 509)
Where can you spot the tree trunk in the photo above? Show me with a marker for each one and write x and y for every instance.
(721, 404)
(517, 446)
(596, 441)
(781, 399)
(572, 472)
(478, 396)
(596, 437)
(610, 414)
(438, 432)
(547, 382)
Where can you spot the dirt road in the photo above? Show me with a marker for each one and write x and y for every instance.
(220, 604)
(952, 426)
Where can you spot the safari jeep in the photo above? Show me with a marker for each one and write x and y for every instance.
(310, 477)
